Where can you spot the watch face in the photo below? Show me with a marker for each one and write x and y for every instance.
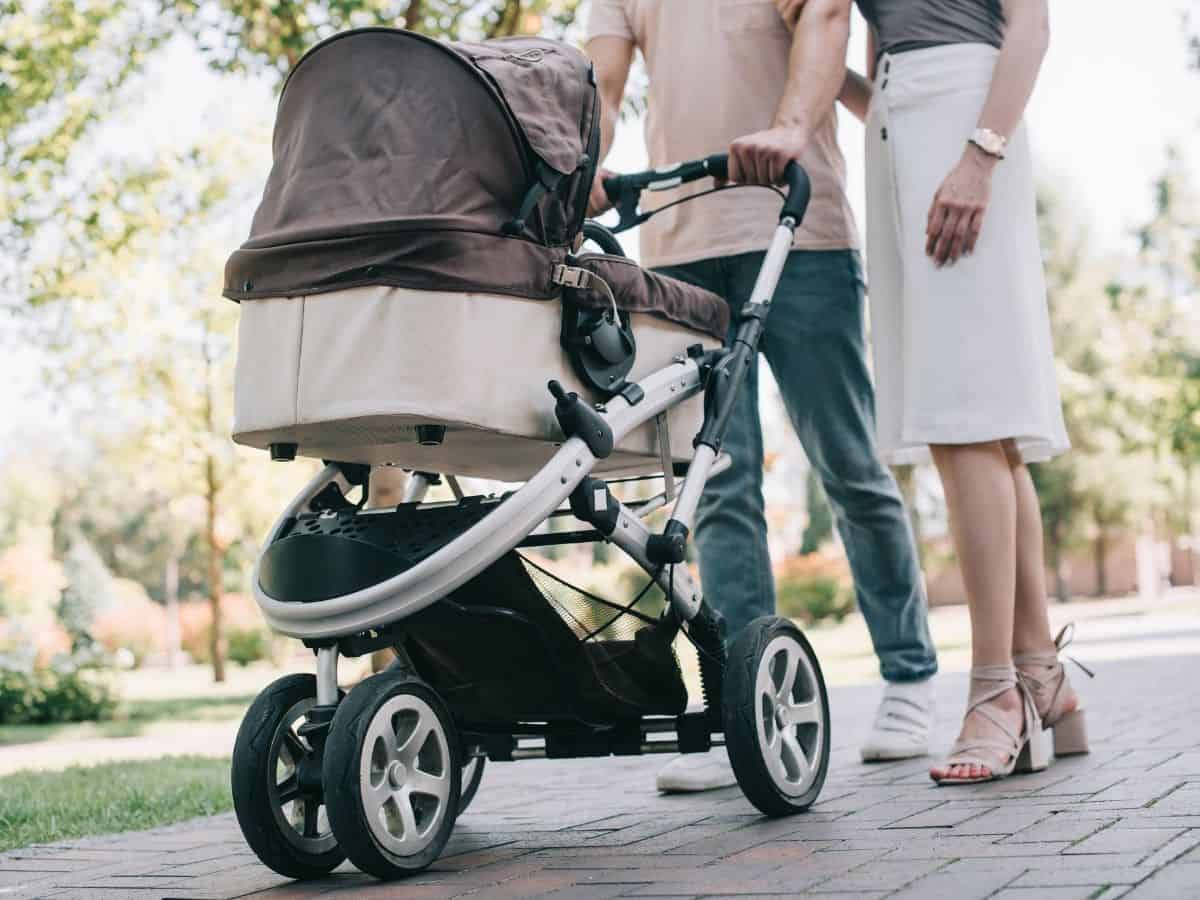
(989, 141)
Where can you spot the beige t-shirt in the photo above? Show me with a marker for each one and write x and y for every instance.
(717, 71)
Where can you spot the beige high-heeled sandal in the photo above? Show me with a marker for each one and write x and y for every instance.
(1026, 751)
(1045, 677)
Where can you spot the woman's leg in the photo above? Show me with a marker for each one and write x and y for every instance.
(1033, 647)
(982, 500)
(1031, 624)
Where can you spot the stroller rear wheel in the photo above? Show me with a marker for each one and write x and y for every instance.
(280, 810)
(392, 775)
(776, 715)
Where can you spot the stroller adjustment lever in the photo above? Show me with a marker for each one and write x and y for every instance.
(577, 419)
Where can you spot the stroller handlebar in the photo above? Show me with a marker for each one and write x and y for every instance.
(624, 191)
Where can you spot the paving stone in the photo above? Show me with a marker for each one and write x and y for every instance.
(1088, 875)
(1124, 840)
(1175, 882)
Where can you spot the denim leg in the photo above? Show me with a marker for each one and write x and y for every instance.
(731, 523)
(815, 345)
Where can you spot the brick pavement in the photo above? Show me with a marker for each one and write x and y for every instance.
(1124, 822)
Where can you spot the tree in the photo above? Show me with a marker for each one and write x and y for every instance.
(88, 590)
(820, 517)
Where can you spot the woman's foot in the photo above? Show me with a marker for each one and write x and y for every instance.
(996, 730)
(1045, 678)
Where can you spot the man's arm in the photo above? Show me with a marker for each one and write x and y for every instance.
(816, 71)
(612, 58)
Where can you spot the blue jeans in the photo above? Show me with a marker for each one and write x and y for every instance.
(815, 346)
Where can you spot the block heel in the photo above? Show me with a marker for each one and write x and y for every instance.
(1070, 734)
(1038, 752)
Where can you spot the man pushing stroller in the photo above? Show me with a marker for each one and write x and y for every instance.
(719, 71)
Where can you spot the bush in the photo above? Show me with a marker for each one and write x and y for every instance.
(61, 693)
(134, 623)
(814, 587)
(247, 645)
(247, 637)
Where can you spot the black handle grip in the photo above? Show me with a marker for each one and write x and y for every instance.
(799, 192)
(718, 166)
(612, 188)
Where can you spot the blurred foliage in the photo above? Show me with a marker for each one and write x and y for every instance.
(88, 590)
(814, 587)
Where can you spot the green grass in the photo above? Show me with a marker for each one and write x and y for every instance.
(39, 807)
(132, 719)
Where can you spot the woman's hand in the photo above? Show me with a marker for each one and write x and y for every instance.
(956, 216)
(790, 11)
(598, 201)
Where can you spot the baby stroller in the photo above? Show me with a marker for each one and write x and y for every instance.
(411, 285)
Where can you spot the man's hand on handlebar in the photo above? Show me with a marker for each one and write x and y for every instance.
(762, 157)
(598, 201)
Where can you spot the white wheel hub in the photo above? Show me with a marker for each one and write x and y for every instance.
(789, 715)
(405, 775)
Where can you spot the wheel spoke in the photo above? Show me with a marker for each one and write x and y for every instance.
(407, 816)
(433, 785)
(289, 789)
(807, 713)
(310, 818)
(294, 745)
(783, 690)
(793, 757)
(374, 796)
(411, 748)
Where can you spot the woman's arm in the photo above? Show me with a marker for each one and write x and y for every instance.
(1026, 38)
(956, 216)
(856, 90)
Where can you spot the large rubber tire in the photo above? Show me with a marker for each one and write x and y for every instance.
(391, 733)
(266, 741)
(776, 713)
(472, 774)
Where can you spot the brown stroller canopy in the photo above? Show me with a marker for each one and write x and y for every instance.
(404, 161)
(407, 161)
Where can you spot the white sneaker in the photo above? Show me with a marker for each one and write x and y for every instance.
(691, 772)
(902, 723)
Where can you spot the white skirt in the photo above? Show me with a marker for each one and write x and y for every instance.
(963, 353)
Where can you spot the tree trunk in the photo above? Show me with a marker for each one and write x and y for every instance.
(412, 16)
(1192, 521)
(216, 644)
(171, 596)
(1099, 558)
(215, 557)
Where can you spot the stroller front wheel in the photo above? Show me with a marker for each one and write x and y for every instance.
(281, 813)
(776, 714)
(392, 775)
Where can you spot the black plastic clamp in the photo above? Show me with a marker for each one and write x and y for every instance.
(578, 419)
(593, 502)
(670, 547)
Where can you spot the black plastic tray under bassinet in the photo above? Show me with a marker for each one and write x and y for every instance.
(516, 643)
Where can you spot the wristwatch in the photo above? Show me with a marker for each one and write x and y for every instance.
(989, 142)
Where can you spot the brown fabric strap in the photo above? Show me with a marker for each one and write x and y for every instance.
(422, 260)
(638, 290)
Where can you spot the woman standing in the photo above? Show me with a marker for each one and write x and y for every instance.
(964, 366)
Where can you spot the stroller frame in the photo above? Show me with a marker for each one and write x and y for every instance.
(763, 659)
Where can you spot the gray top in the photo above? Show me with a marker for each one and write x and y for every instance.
(902, 25)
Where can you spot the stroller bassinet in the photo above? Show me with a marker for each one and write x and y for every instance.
(403, 279)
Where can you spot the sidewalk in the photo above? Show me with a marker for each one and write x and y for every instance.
(1124, 822)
